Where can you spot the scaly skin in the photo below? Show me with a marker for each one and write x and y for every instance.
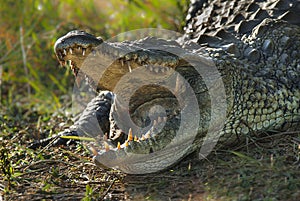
(258, 60)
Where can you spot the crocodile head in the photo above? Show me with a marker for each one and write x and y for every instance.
(149, 95)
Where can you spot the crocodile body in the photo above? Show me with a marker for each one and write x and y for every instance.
(255, 47)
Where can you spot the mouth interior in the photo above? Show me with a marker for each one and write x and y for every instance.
(140, 127)
(148, 114)
(152, 107)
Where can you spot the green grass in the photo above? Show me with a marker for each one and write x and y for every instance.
(36, 97)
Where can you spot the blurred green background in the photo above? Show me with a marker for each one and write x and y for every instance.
(31, 77)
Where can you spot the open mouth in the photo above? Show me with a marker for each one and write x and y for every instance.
(147, 120)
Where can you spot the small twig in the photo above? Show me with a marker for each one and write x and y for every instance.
(33, 171)
(49, 144)
(108, 189)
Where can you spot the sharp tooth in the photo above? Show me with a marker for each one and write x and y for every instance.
(65, 52)
(122, 62)
(93, 150)
(79, 48)
(177, 86)
(71, 51)
(156, 69)
(119, 146)
(150, 68)
(130, 136)
(106, 146)
(126, 143)
(136, 138)
(142, 138)
(129, 67)
(83, 52)
(162, 70)
(159, 120)
(154, 122)
(148, 134)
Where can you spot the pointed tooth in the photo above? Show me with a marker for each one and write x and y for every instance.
(119, 146)
(136, 138)
(177, 85)
(159, 119)
(156, 69)
(78, 47)
(93, 150)
(71, 51)
(129, 67)
(65, 52)
(151, 68)
(154, 122)
(162, 70)
(122, 62)
(130, 136)
(126, 143)
(142, 138)
(106, 146)
(83, 52)
(148, 134)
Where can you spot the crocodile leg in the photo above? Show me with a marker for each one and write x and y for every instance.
(93, 121)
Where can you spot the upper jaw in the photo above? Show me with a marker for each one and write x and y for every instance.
(75, 46)
(152, 53)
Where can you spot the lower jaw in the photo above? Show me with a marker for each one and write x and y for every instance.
(139, 163)
(138, 149)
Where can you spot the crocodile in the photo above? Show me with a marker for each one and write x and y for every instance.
(155, 99)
